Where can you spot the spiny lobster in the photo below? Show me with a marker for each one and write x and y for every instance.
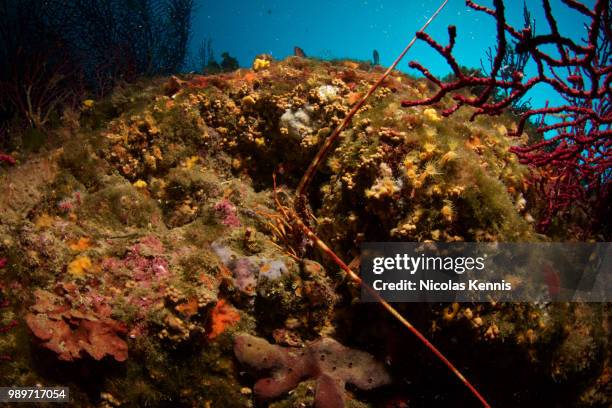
(293, 217)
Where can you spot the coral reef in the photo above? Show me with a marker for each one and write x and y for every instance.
(331, 364)
(159, 227)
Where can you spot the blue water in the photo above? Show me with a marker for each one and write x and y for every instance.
(354, 28)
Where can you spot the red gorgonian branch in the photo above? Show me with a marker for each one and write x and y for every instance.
(574, 156)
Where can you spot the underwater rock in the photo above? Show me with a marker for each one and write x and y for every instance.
(299, 52)
(164, 196)
(297, 305)
(329, 362)
(375, 57)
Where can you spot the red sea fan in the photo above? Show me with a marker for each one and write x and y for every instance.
(575, 163)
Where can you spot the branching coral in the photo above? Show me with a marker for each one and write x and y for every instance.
(576, 161)
(37, 85)
(330, 363)
(57, 51)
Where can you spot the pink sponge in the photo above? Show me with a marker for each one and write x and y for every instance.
(329, 362)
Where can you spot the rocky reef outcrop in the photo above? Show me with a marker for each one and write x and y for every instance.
(148, 247)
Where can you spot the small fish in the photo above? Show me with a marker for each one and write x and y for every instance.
(552, 280)
(298, 52)
(375, 57)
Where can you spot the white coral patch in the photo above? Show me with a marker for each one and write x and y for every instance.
(297, 122)
(327, 93)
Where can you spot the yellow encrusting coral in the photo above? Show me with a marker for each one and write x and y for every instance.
(260, 64)
(140, 184)
(79, 267)
(431, 115)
